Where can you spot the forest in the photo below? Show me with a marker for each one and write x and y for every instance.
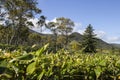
(62, 55)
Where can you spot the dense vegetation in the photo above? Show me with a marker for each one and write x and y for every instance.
(16, 33)
(67, 55)
(64, 65)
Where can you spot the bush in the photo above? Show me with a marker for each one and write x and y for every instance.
(63, 65)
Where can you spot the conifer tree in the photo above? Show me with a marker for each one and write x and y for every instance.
(89, 41)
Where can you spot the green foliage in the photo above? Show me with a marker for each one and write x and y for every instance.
(89, 42)
(65, 27)
(62, 27)
(75, 46)
(5, 34)
(18, 14)
(34, 38)
(39, 65)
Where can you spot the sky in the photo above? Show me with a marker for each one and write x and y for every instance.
(103, 15)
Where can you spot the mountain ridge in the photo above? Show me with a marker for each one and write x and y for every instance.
(79, 38)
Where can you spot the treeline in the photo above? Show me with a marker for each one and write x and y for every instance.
(15, 27)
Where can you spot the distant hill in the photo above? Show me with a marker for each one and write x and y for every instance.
(100, 43)
(76, 36)
(115, 45)
(79, 38)
(32, 31)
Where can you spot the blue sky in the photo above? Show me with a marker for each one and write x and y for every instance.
(104, 15)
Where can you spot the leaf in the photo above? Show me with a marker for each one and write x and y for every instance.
(6, 72)
(23, 57)
(5, 75)
(41, 75)
(98, 71)
(3, 63)
(41, 50)
(103, 63)
(49, 72)
(31, 68)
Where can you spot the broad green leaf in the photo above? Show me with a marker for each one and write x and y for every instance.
(103, 63)
(31, 68)
(41, 50)
(98, 71)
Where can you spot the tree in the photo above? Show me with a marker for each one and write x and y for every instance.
(61, 28)
(18, 14)
(65, 27)
(53, 28)
(41, 22)
(61, 41)
(5, 34)
(89, 42)
(34, 38)
(22, 35)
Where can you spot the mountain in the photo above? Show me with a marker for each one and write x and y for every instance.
(100, 43)
(79, 38)
(103, 45)
(115, 45)
(76, 36)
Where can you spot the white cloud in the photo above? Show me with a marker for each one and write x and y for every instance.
(78, 24)
(34, 20)
(53, 20)
(110, 39)
(100, 34)
(37, 28)
(81, 31)
(107, 38)
(78, 28)
(45, 31)
(113, 39)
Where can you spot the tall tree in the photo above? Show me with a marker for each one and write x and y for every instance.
(18, 12)
(89, 41)
(41, 22)
(61, 28)
(53, 28)
(65, 27)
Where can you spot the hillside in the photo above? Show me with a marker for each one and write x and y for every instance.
(78, 37)
(100, 43)
(115, 45)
